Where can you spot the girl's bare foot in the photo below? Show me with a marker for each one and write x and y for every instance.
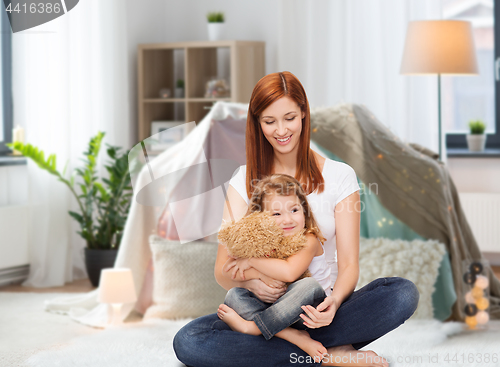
(302, 340)
(347, 356)
(236, 322)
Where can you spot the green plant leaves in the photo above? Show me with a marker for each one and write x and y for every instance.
(103, 205)
(477, 127)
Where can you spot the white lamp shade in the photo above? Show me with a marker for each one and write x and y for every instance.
(439, 47)
(116, 286)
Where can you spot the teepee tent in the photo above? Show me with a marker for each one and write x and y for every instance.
(180, 195)
(412, 185)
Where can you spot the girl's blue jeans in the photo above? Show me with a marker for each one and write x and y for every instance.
(366, 315)
(271, 318)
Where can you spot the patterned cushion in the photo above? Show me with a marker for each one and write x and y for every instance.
(184, 282)
(417, 261)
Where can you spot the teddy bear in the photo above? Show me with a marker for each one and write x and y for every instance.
(258, 235)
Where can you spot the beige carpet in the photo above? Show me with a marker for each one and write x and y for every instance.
(26, 329)
(31, 337)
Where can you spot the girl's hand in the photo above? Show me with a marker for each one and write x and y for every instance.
(238, 265)
(263, 292)
(273, 283)
(321, 315)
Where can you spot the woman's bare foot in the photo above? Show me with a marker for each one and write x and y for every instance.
(302, 340)
(347, 356)
(236, 322)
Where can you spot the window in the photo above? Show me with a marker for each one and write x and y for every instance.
(468, 98)
(5, 83)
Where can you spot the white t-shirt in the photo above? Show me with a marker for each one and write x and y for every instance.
(340, 182)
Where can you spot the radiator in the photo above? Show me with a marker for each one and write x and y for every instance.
(13, 275)
(482, 211)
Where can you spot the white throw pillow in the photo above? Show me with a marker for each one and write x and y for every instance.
(184, 281)
(417, 261)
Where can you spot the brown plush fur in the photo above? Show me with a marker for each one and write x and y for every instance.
(258, 235)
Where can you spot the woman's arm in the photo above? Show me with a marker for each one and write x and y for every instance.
(287, 270)
(347, 219)
(234, 208)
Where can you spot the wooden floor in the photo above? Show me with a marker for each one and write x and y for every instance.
(78, 286)
(83, 285)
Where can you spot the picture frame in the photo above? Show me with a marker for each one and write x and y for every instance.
(165, 134)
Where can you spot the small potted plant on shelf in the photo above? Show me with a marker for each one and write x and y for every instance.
(215, 26)
(179, 88)
(476, 140)
(103, 206)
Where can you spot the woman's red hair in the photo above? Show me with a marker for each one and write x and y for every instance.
(260, 152)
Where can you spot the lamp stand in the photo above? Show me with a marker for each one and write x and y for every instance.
(440, 134)
(116, 314)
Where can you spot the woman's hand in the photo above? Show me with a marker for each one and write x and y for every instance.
(263, 292)
(238, 265)
(321, 315)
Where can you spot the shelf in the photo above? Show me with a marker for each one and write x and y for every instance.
(208, 99)
(163, 100)
(203, 65)
(161, 68)
(240, 63)
(172, 100)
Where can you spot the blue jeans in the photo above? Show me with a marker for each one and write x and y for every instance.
(366, 315)
(271, 318)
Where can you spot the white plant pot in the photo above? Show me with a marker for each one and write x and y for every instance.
(179, 93)
(476, 142)
(215, 31)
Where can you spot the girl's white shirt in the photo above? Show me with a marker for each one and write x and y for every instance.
(340, 182)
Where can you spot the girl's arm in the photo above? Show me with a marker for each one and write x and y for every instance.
(287, 270)
(237, 207)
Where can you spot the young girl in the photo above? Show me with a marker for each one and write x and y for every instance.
(284, 198)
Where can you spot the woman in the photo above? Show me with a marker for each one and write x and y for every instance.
(277, 141)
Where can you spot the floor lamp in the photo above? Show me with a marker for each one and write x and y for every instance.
(439, 47)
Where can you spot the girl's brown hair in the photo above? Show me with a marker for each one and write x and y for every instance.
(284, 185)
(259, 151)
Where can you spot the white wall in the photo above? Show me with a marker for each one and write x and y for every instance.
(153, 21)
(13, 216)
(479, 175)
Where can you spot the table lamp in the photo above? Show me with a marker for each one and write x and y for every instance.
(439, 47)
(116, 286)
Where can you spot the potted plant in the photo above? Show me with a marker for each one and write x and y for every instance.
(179, 88)
(103, 206)
(215, 26)
(476, 140)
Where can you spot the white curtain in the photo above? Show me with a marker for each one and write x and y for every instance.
(351, 51)
(70, 80)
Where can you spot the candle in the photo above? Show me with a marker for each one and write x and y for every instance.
(17, 136)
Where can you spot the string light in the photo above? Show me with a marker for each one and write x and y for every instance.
(482, 282)
(471, 321)
(477, 292)
(482, 317)
(482, 303)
